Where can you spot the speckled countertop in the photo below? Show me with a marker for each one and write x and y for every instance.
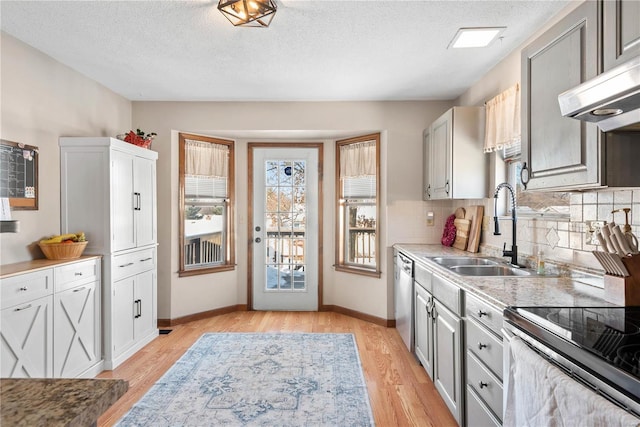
(564, 290)
(57, 402)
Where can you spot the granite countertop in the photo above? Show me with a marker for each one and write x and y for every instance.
(57, 402)
(565, 290)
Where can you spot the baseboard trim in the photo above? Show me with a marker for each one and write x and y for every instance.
(388, 323)
(164, 323)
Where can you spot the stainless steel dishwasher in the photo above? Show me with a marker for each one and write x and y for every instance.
(403, 298)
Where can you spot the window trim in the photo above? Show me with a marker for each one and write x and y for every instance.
(229, 263)
(340, 263)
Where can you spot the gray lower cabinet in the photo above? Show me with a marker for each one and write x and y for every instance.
(484, 363)
(438, 336)
(424, 327)
(447, 368)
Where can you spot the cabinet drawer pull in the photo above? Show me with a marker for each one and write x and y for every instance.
(482, 384)
(126, 265)
(481, 346)
(78, 273)
(23, 308)
(24, 288)
(80, 289)
(482, 313)
(146, 259)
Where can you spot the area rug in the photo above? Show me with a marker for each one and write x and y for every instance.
(260, 379)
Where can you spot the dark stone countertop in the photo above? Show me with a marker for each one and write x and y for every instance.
(57, 402)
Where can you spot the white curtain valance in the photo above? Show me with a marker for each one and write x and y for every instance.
(502, 126)
(358, 159)
(206, 159)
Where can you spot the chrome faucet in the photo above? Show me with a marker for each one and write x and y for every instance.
(513, 253)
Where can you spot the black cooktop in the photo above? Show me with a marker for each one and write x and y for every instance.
(605, 340)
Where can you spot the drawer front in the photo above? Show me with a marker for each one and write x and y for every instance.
(26, 287)
(447, 293)
(484, 313)
(477, 413)
(486, 385)
(70, 275)
(486, 346)
(132, 263)
(423, 276)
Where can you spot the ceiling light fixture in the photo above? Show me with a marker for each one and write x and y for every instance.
(475, 37)
(248, 13)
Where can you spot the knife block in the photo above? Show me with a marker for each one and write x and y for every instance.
(621, 290)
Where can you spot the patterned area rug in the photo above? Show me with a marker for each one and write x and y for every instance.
(256, 379)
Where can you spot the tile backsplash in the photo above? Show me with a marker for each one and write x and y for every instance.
(561, 241)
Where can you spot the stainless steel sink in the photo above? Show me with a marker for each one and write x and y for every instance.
(463, 260)
(489, 270)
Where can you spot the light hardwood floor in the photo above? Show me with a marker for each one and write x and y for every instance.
(400, 391)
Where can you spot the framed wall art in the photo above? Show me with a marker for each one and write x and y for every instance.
(19, 174)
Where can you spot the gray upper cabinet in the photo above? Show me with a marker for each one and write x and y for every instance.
(621, 40)
(560, 152)
(455, 166)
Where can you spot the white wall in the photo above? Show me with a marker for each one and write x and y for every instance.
(401, 123)
(42, 100)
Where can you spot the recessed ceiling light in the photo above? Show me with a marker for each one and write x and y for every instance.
(475, 37)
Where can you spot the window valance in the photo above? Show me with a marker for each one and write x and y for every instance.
(502, 126)
(358, 159)
(206, 159)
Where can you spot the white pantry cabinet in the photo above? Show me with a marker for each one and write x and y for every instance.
(51, 319)
(108, 190)
(454, 162)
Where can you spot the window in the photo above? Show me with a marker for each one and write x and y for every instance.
(206, 205)
(537, 204)
(357, 206)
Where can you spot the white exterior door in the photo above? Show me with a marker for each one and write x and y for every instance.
(285, 228)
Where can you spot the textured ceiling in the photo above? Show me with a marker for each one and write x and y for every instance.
(313, 50)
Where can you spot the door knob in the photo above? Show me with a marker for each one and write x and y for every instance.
(258, 240)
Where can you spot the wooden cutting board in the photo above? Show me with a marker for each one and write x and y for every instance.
(475, 214)
(462, 233)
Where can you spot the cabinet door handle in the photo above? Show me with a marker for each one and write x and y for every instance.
(23, 289)
(524, 175)
(23, 308)
(481, 346)
(125, 265)
(482, 384)
(136, 201)
(139, 201)
(146, 259)
(446, 186)
(80, 289)
(482, 313)
(78, 273)
(429, 191)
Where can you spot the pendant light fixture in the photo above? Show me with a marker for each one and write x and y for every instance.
(248, 13)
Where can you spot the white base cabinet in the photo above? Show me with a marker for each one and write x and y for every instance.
(51, 319)
(25, 349)
(133, 316)
(77, 322)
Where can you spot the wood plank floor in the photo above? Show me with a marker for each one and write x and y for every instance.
(400, 391)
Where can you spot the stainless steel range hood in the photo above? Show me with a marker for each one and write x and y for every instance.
(612, 99)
